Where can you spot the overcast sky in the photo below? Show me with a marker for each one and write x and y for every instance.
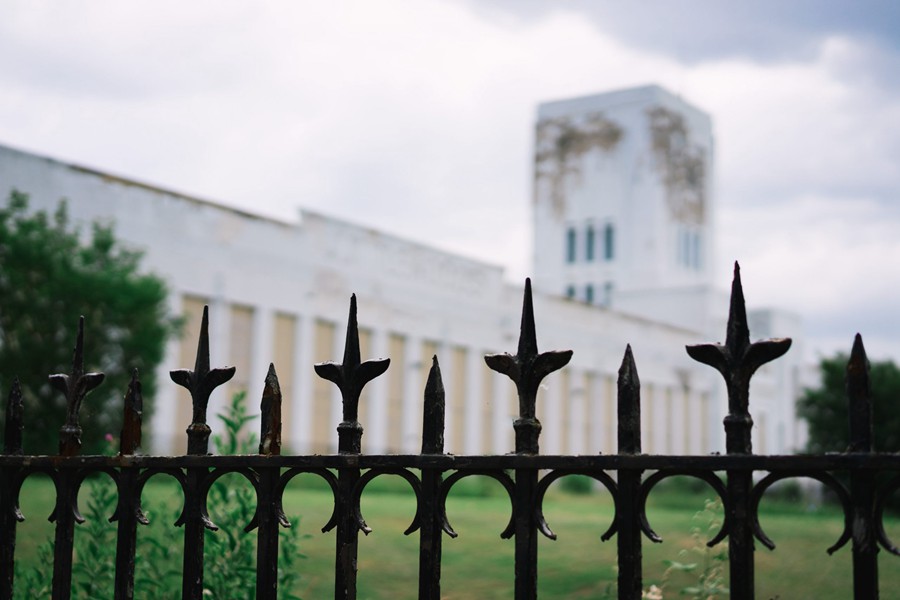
(416, 117)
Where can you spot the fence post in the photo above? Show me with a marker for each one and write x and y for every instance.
(527, 369)
(129, 505)
(628, 521)
(200, 383)
(430, 536)
(9, 513)
(350, 376)
(862, 482)
(268, 506)
(74, 386)
(737, 360)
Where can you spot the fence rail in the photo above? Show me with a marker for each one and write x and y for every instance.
(525, 475)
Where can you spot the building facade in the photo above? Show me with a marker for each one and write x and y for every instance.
(623, 254)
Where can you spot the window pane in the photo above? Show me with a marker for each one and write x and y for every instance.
(609, 242)
(589, 244)
(570, 245)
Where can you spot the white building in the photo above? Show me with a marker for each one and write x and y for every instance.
(623, 227)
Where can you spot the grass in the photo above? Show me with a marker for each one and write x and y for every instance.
(478, 564)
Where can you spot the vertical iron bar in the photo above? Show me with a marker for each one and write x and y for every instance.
(64, 538)
(862, 482)
(127, 515)
(628, 518)
(200, 383)
(350, 376)
(9, 514)
(527, 368)
(737, 360)
(128, 511)
(268, 505)
(431, 533)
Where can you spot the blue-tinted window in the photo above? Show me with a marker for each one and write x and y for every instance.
(589, 294)
(609, 242)
(589, 244)
(570, 245)
(570, 291)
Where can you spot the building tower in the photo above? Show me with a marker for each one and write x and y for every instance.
(623, 204)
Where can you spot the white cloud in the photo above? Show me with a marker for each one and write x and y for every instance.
(416, 117)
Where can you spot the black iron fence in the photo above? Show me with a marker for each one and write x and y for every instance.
(525, 475)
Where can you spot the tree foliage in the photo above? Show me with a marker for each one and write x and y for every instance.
(826, 410)
(50, 274)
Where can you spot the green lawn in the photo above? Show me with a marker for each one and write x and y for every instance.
(478, 564)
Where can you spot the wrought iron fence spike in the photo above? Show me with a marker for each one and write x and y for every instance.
(270, 407)
(433, 413)
(859, 399)
(629, 405)
(132, 417)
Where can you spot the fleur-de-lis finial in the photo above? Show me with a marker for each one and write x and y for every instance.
(74, 386)
(200, 383)
(351, 376)
(737, 360)
(527, 369)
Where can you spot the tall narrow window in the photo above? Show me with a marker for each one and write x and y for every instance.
(589, 244)
(570, 291)
(570, 245)
(589, 293)
(609, 242)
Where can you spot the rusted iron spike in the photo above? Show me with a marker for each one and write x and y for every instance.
(527, 369)
(433, 413)
(629, 405)
(270, 407)
(74, 386)
(15, 413)
(859, 398)
(351, 376)
(737, 361)
(130, 438)
(200, 383)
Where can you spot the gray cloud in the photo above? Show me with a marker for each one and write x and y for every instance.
(698, 30)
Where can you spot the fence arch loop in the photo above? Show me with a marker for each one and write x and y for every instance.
(544, 485)
(824, 478)
(325, 474)
(707, 476)
(504, 480)
(371, 474)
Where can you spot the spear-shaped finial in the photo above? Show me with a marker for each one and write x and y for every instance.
(130, 439)
(629, 405)
(859, 399)
(737, 360)
(200, 383)
(74, 386)
(527, 369)
(433, 413)
(351, 376)
(15, 415)
(270, 407)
